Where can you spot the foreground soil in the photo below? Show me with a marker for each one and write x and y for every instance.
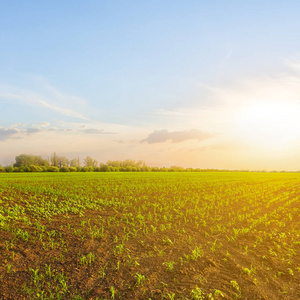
(150, 236)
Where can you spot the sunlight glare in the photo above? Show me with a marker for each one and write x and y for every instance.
(269, 124)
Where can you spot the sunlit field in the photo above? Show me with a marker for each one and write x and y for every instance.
(150, 236)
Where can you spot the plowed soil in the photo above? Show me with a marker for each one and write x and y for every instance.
(146, 239)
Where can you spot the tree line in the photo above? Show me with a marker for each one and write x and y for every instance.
(56, 163)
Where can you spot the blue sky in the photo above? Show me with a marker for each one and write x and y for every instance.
(169, 82)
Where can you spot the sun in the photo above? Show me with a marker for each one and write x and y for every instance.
(269, 123)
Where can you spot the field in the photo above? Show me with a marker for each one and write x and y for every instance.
(150, 235)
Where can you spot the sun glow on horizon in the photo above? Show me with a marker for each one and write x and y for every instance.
(269, 124)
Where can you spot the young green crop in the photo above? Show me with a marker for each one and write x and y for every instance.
(177, 228)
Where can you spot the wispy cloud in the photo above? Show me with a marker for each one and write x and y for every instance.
(282, 84)
(42, 124)
(163, 135)
(47, 97)
(64, 111)
(178, 113)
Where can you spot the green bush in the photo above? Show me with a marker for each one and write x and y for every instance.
(32, 168)
(87, 169)
(104, 168)
(64, 169)
(9, 169)
(53, 169)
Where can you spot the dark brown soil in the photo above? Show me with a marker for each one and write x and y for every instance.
(256, 265)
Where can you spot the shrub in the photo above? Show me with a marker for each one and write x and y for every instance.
(87, 169)
(44, 169)
(9, 169)
(104, 168)
(64, 169)
(32, 168)
(53, 169)
(145, 169)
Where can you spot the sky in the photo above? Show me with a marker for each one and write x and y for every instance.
(203, 84)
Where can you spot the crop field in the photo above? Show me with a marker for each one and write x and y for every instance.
(150, 235)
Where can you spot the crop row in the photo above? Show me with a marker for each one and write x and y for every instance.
(150, 235)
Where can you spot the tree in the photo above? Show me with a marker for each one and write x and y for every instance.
(9, 169)
(64, 169)
(140, 164)
(114, 163)
(128, 163)
(89, 162)
(176, 169)
(74, 162)
(62, 161)
(28, 159)
(104, 168)
(53, 160)
(53, 169)
(58, 161)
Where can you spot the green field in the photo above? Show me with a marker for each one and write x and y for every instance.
(150, 235)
